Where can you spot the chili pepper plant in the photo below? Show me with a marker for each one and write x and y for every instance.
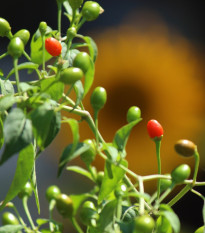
(31, 115)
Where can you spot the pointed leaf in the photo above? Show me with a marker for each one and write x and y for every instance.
(7, 102)
(6, 86)
(34, 185)
(122, 135)
(80, 171)
(173, 220)
(23, 172)
(17, 133)
(55, 91)
(79, 90)
(11, 228)
(93, 50)
(110, 183)
(89, 77)
(42, 118)
(68, 155)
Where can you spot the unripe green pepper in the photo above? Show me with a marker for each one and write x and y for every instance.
(91, 10)
(64, 205)
(82, 61)
(71, 32)
(133, 114)
(89, 155)
(42, 27)
(26, 191)
(88, 212)
(70, 75)
(98, 98)
(16, 47)
(180, 173)
(144, 224)
(5, 27)
(200, 230)
(24, 35)
(9, 219)
(52, 192)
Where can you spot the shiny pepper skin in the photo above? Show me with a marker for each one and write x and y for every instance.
(53, 46)
(155, 130)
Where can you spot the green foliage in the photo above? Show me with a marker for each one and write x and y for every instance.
(32, 113)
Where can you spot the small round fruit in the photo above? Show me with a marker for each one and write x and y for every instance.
(71, 32)
(82, 61)
(180, 173)
(100, 177)
(16, 47)
(120, 190)
(91, 10)
(144, 224)
(185, 147)
(133, 113)
(9, 219)
(64, 205)
(71, 75)
(98, 98)
(53, 46)
(26, 191)
(89, 155)
(52, 192)
(200, 230)
(88, 212)
(4, 27)
(42, 27)
(24, 35)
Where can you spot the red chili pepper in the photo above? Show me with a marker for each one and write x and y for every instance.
(53, 46)
(154, 129)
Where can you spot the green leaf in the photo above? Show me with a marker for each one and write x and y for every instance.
(11, 228)
(79, 90)
(17, 133)
(122, 135)
(68, 8)
(54, 128)
(6, 102)
(6, 87)
(35, 188)
(55, 91)
(77, 200)
(42, 117)
(70, 55)
(23, 66)
(68, 154)
(105, 223)
(22, 174)
(80, 171)
(1, 133)
(89, 77)
(36, 50)
(92, 47)
(173, 220)
(25, 87)
(110, 183)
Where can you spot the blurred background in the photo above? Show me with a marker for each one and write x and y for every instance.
(151, 54)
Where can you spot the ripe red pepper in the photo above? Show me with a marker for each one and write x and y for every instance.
(154, 129)
(53, 46)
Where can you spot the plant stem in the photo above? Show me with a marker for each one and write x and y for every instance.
(180, 194)
(158, 145)
(196, 167)
(76, 225)
(51, 207)
(3, 55)
(25, 205)
(43, 52)
(16, 74)
(141, 200)
(59, 16)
